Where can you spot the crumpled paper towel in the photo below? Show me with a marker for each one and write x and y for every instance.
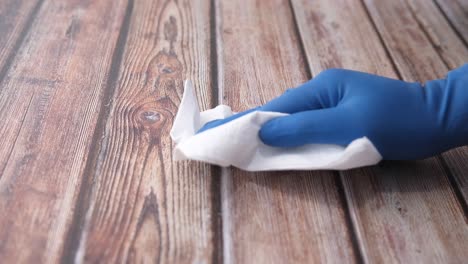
(237, 143)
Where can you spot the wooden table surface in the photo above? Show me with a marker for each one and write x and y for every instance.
(88, 94)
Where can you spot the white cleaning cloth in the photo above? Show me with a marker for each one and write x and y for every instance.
(237, 143)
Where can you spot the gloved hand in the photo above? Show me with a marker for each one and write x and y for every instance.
(403, 120)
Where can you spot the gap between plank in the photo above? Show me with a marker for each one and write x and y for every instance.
(428, 37)
(216, 172)
(216, 212)
(356, 247)
(301, 41)
(16, 138)
(225, 191)
(217, 38)
(20, 40)
(398, 73)
(74, 245)
(454, 28)
(382, 42)
(226, 200)
(350, 221)
(453, 182)
(214, 56)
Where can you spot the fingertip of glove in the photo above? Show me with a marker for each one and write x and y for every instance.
(268, 133)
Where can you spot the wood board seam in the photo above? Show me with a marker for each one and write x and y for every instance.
(76, 233)
(449, 21)
(428, 37)
(16, 138)
(354, 239)
(456, 186)
(214, 55)
(219, 55)
(216, 171)
(226, 200)
(217, 220)
(381, 40)
(354, 220)
(453, 183)
(301, 40)
(355, 242)
(19, 41)
(226, 238)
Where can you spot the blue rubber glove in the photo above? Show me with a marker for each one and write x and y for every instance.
(403, 120)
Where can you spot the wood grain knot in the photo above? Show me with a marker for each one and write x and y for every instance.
(167, 65)
(150, 116)
(163, 69)
(167, 70)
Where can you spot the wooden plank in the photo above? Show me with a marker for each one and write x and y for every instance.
(49, 104)
(329, 41)
(277, 217)
(406, 212)
(414, 62)
(456, 11)
(143, 207)
(15, 17)
(402, 212)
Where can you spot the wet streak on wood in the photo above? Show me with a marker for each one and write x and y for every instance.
(16, 17)
(274, 217)
(143, 206)
(402, 212)
(49, 104)
(457, 13)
